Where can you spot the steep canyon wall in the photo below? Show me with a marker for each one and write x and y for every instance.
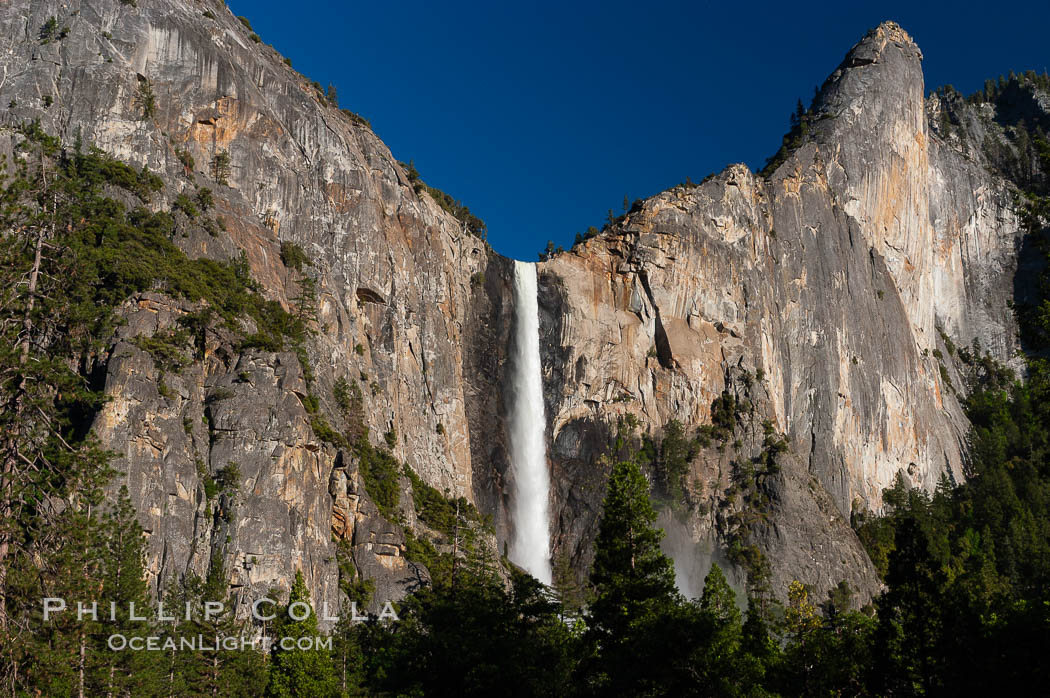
(818, 295)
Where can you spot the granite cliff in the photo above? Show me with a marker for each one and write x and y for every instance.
(817, 297)
(821, 293)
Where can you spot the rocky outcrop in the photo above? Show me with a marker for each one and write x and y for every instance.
(397, 276)
(815, 294)
(826, 283)
(377, 546)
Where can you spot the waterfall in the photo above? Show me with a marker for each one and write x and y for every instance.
(529, 481)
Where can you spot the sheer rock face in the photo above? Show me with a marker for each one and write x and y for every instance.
(400, 309)
(826, 283)
(175, 429)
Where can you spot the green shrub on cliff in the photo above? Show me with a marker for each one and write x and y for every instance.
(185, 204)
(49, 30)
(220, 167)
(294, 257)
(168, 349)
(381, 473)
(471, 223)
(357, 118)
(147, 100)
(675, 454)
(437, 510)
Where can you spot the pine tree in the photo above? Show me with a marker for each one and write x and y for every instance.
(758, 650)
(123, 582)
(571, 592)
(47, 455)
(548, 251)
(202, 670)
(634, 587)
(179, 667)
(910, 613)
(306, 301)
(227, 672)
(989, 90)
(59, 657)
(715, 654)
(718, 600)
(220, 167)
(348, 654)
(840, 599)
(630, 571)
(802, 117)
(299, 672)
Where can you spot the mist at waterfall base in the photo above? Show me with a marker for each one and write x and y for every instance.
(692, 560)
(529, 478)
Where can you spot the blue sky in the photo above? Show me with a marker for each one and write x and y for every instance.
(542, 116)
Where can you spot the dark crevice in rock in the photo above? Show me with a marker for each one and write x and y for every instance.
(489, 325)
(554, 304)
(368, 295)
(663, 347)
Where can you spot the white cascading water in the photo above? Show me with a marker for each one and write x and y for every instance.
(530, 481)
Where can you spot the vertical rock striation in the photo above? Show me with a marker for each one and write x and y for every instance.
(399, 305)
(816, 293)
